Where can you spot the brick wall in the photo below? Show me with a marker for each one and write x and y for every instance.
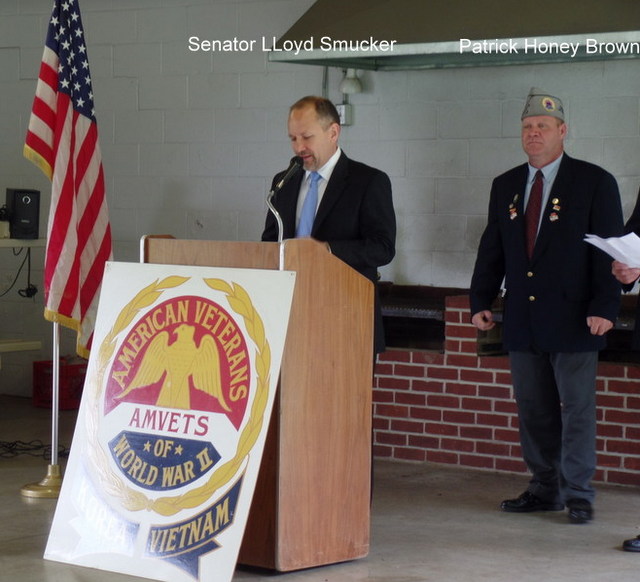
(457, 408)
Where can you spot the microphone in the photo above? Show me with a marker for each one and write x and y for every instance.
(294, 164)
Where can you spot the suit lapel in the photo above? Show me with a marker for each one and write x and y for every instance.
(333, 191)
(515, 208)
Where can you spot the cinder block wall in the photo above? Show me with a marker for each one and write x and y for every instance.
(190, 140)
(457, 408)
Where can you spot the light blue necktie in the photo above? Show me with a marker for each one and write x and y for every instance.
(309, 208)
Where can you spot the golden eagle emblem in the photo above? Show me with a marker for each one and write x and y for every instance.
(178, 362)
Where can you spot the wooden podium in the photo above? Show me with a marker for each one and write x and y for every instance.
(312, 499)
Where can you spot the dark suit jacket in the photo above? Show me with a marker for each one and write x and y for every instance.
(355, 217)
(549, 297)
(633, 225)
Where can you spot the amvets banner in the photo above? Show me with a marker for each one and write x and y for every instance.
(171, 428)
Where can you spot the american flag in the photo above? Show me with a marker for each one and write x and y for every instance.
(62, 140)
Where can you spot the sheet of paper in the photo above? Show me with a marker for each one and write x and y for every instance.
(625, 249)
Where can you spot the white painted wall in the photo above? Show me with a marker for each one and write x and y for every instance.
(190, 141)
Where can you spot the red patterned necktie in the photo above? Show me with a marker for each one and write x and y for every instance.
(532, 214)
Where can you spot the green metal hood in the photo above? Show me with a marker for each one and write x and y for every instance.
(422, 34)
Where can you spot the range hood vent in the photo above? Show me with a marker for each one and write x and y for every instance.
(421, 34)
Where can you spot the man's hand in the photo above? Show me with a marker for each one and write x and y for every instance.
(483, 320)
(599, 325)
(624, 273)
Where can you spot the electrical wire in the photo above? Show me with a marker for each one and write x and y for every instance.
(26, 258)
(36, 448)
(30, 290)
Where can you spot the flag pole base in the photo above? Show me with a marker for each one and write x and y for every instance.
(48, 488)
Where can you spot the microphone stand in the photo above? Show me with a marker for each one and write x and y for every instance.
(278, 218)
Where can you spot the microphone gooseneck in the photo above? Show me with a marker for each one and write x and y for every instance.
(295, 163)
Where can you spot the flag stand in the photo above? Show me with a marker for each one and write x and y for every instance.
(49, 487)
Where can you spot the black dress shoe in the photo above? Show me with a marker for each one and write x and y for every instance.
(631, 545)
(580, 511)
(529, 502)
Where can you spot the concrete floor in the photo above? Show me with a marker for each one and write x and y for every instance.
(429, 523)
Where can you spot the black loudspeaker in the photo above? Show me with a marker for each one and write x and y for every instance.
(23, 208)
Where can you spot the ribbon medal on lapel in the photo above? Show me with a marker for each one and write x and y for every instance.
(556, 209)
(513, 212)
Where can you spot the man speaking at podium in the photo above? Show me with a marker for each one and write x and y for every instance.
(333, 199)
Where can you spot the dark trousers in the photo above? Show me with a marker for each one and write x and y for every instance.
(556, 398)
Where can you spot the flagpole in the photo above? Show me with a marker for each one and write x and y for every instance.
(49, 487)
(55, 393)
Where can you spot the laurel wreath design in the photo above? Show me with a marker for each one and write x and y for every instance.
(115, 486)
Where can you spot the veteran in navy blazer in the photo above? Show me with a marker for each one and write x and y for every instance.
(355, 215)
(560, 299)
(628, 275)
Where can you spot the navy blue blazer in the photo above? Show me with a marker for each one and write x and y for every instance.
(549, 297)
(633, 225)
(355, 216)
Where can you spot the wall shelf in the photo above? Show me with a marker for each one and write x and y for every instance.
(22, 242)
(14, 345)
